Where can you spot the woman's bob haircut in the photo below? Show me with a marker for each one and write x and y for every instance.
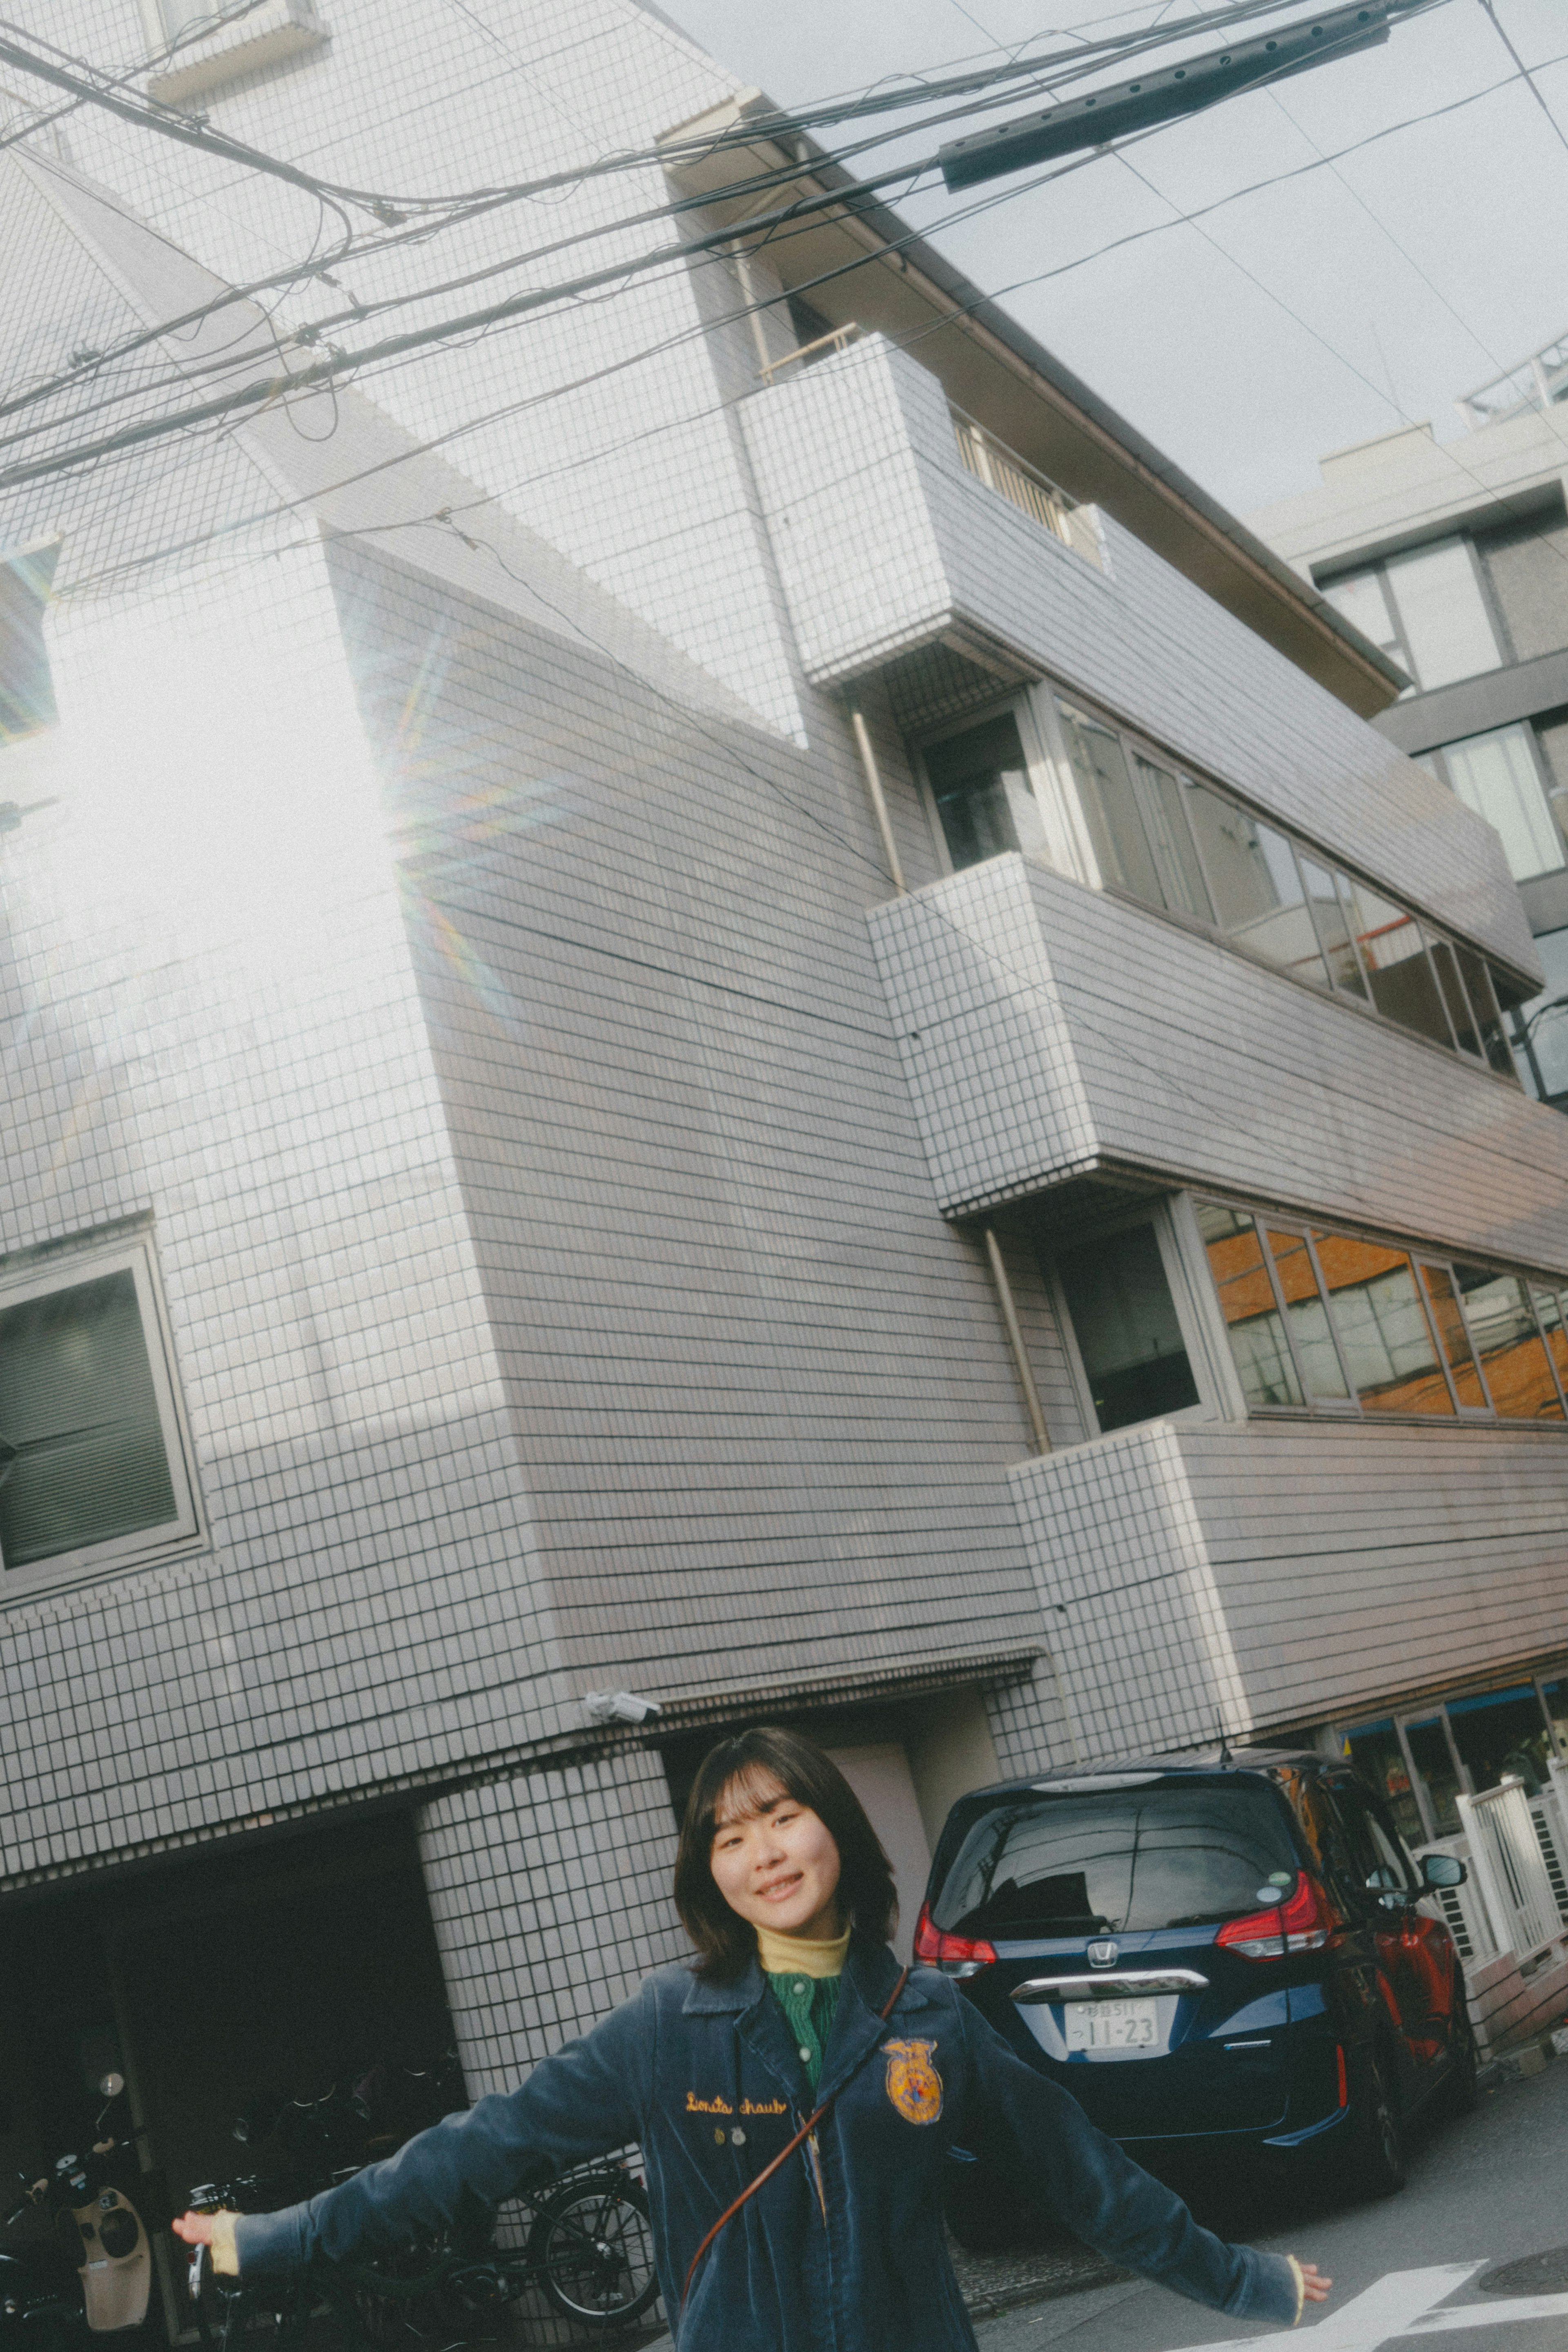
(746, 1775)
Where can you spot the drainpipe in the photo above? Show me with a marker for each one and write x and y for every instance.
(874, 792)
(1015, 1335)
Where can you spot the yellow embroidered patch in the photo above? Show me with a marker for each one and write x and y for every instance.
(913, 2083)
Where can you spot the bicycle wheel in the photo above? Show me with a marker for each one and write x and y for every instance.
(593, 2249)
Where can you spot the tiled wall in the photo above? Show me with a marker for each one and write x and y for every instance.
(883, 537)
(605, 422)
(1029, 1727)
(637, 1268)
(211, 1021)
(1043, 1024)
(1284, 1575)
(763, 1394)
(550, 1896)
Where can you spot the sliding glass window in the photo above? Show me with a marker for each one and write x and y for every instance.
(1333, 1322)
(1191, 849)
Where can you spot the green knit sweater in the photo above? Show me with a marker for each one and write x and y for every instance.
(808, 2003)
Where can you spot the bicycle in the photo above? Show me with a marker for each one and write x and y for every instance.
(586, 2243)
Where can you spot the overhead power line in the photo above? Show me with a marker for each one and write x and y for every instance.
(1561, 136)
(759, 228)
(87, 85)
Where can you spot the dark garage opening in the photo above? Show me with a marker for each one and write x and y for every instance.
(268, 1969)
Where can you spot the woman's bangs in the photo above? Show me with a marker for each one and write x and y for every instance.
(753, 1788)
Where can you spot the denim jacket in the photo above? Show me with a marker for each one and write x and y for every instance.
(842, 2251)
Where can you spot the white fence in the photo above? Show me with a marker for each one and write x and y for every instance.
(1509, 1919)
(1507, 1865)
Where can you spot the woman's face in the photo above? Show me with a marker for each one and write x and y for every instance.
(775, 1862)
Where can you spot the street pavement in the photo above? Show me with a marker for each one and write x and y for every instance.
(1483, 2193)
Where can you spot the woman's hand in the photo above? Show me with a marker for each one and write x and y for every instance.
(196, 2229)
(1315, 2284)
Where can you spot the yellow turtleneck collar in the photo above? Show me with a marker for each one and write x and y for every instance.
(782, 1956)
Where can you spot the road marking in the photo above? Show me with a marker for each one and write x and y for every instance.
(1400, 2304)
(1488, 2314)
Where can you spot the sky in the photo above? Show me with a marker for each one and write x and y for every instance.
(1354, 298)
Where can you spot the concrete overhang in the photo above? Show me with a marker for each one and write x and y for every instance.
(896, 284)
(1474, 706)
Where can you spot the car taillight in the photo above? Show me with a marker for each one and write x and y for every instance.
(1303, 1924)
(955, 1956)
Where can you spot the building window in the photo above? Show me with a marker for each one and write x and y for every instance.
(1183, 845)
(1124, 1321)
(1323, 1321)
(27, 686)
(985, 801)
(1422, 1762)
(1540, 1028)
(94, 1466)
(1132, 807)
(1498, 775)
(1427, 609)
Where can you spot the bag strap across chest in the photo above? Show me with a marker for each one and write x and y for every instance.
(788, 2150)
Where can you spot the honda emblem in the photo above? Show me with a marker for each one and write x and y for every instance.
(1102, 1954)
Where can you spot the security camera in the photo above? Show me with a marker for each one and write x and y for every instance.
(619, 1707)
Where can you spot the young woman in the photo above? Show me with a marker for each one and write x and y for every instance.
(793, 2003)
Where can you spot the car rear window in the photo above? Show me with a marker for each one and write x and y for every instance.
(1176, 1853)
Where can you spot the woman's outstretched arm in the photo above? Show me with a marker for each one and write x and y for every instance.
(1111, 2203)
(583, 2102)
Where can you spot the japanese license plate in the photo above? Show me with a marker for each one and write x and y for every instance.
(1112, 2024)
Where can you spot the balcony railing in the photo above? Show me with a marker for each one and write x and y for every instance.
(1003, 470)
(1539, 381)
(840, 339)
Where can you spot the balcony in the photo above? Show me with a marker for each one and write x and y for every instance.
(217, 47)
(1270, 1574)
(899, 524)
(1049, 1032)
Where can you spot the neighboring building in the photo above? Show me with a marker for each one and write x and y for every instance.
(788, 1047)
(1453, 557)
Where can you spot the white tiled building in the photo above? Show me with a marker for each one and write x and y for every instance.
(642, 1037)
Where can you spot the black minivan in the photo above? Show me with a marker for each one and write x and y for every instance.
(1218, 1954)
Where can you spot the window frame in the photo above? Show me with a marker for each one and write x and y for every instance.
(1437, 1710)
(1136, 746)
(1420, 1255)
(1327, 578)
(1059, 819)
(1071, 850)
(1544, 776)
(1190, 1320)
(186, 1532)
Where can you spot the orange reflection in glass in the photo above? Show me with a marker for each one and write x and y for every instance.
(1549, 1308)
(1309, 1318)
(1455, 1339)
(1257, 1340)
(1513, 1355)
(1382, 1326)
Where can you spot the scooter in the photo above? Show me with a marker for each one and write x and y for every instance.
(103, 2284)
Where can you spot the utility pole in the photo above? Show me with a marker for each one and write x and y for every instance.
(1165, 95)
